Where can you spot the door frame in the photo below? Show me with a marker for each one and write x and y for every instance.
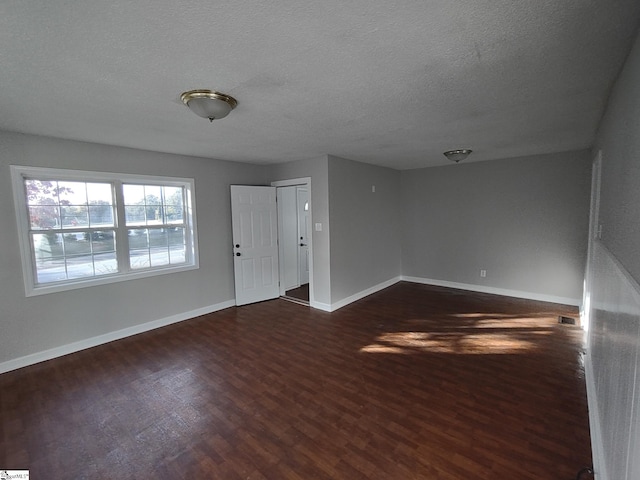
(303, 233)
(300, 182)
(594, 236)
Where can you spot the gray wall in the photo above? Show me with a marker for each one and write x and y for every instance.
(317, 170)
(524, 220)
(613, 361)
(359, 245)
(365, 226)
(35, 324)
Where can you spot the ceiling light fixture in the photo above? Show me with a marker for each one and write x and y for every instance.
(208, 103)
(457, 155)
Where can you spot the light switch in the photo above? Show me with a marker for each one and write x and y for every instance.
(318, 227)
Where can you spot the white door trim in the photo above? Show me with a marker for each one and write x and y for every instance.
(594, 235)
(303, 233)
(287, 235)
(303, 181)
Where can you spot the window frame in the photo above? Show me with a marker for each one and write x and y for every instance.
(27, 253)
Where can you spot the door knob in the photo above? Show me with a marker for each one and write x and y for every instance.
(238, 254)
(303, 244)
(237, 245)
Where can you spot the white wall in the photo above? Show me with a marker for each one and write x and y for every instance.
(613, 360)
(523, 220)
(38, 324)
(613, 368)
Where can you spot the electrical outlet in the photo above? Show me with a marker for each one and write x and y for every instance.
(483, 273)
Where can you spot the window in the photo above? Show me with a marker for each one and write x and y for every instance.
(86, 228)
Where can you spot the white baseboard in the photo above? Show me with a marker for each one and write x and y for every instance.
(325, 307)
(597, 445)
(496, 291)
(364, 293)
(443, 283)
(111, 336)
(108, 337)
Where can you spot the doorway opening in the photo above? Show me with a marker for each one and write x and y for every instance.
(294, 240)
(298, 295)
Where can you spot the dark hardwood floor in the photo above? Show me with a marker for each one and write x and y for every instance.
(414, 382)
(300, 293)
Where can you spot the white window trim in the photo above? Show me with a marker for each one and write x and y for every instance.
(19, 173)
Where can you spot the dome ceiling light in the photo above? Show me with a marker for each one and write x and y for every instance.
(209, 103)
(457, 155)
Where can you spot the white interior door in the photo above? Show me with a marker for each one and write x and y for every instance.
(304, 231)
(288, 239)
(255, 243)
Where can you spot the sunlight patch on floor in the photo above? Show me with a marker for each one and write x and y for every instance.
(471, 339)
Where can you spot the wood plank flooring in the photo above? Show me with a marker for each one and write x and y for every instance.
(300, 293)
(414, 382)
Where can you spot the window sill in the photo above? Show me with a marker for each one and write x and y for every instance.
(36, 290)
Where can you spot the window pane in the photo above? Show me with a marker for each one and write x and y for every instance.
(44, 217)
(142, 204)
(158, 238)
(150, 247)
(98, 193)
(153, 194)
(159, 257)
(173, 196)
(175, 216)
(133, 194)
(79, 266)
(72, 193)
(135, 215)
(139, 249)
(51, 271)
(138, 239)
(153, 205)
(76, 244)
(139, 259)
(154, 214)
(101, 215)
(159, 252)
(49, 257)
(100, 197)
(173, 205)
(176, 238)
(74, 216)
(174, 209)
(69, 256)
(105, 263)
(176, 246)
(47, 245)
(41, 192)
(103, 241)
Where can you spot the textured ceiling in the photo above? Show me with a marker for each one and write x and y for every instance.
(390, 82)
